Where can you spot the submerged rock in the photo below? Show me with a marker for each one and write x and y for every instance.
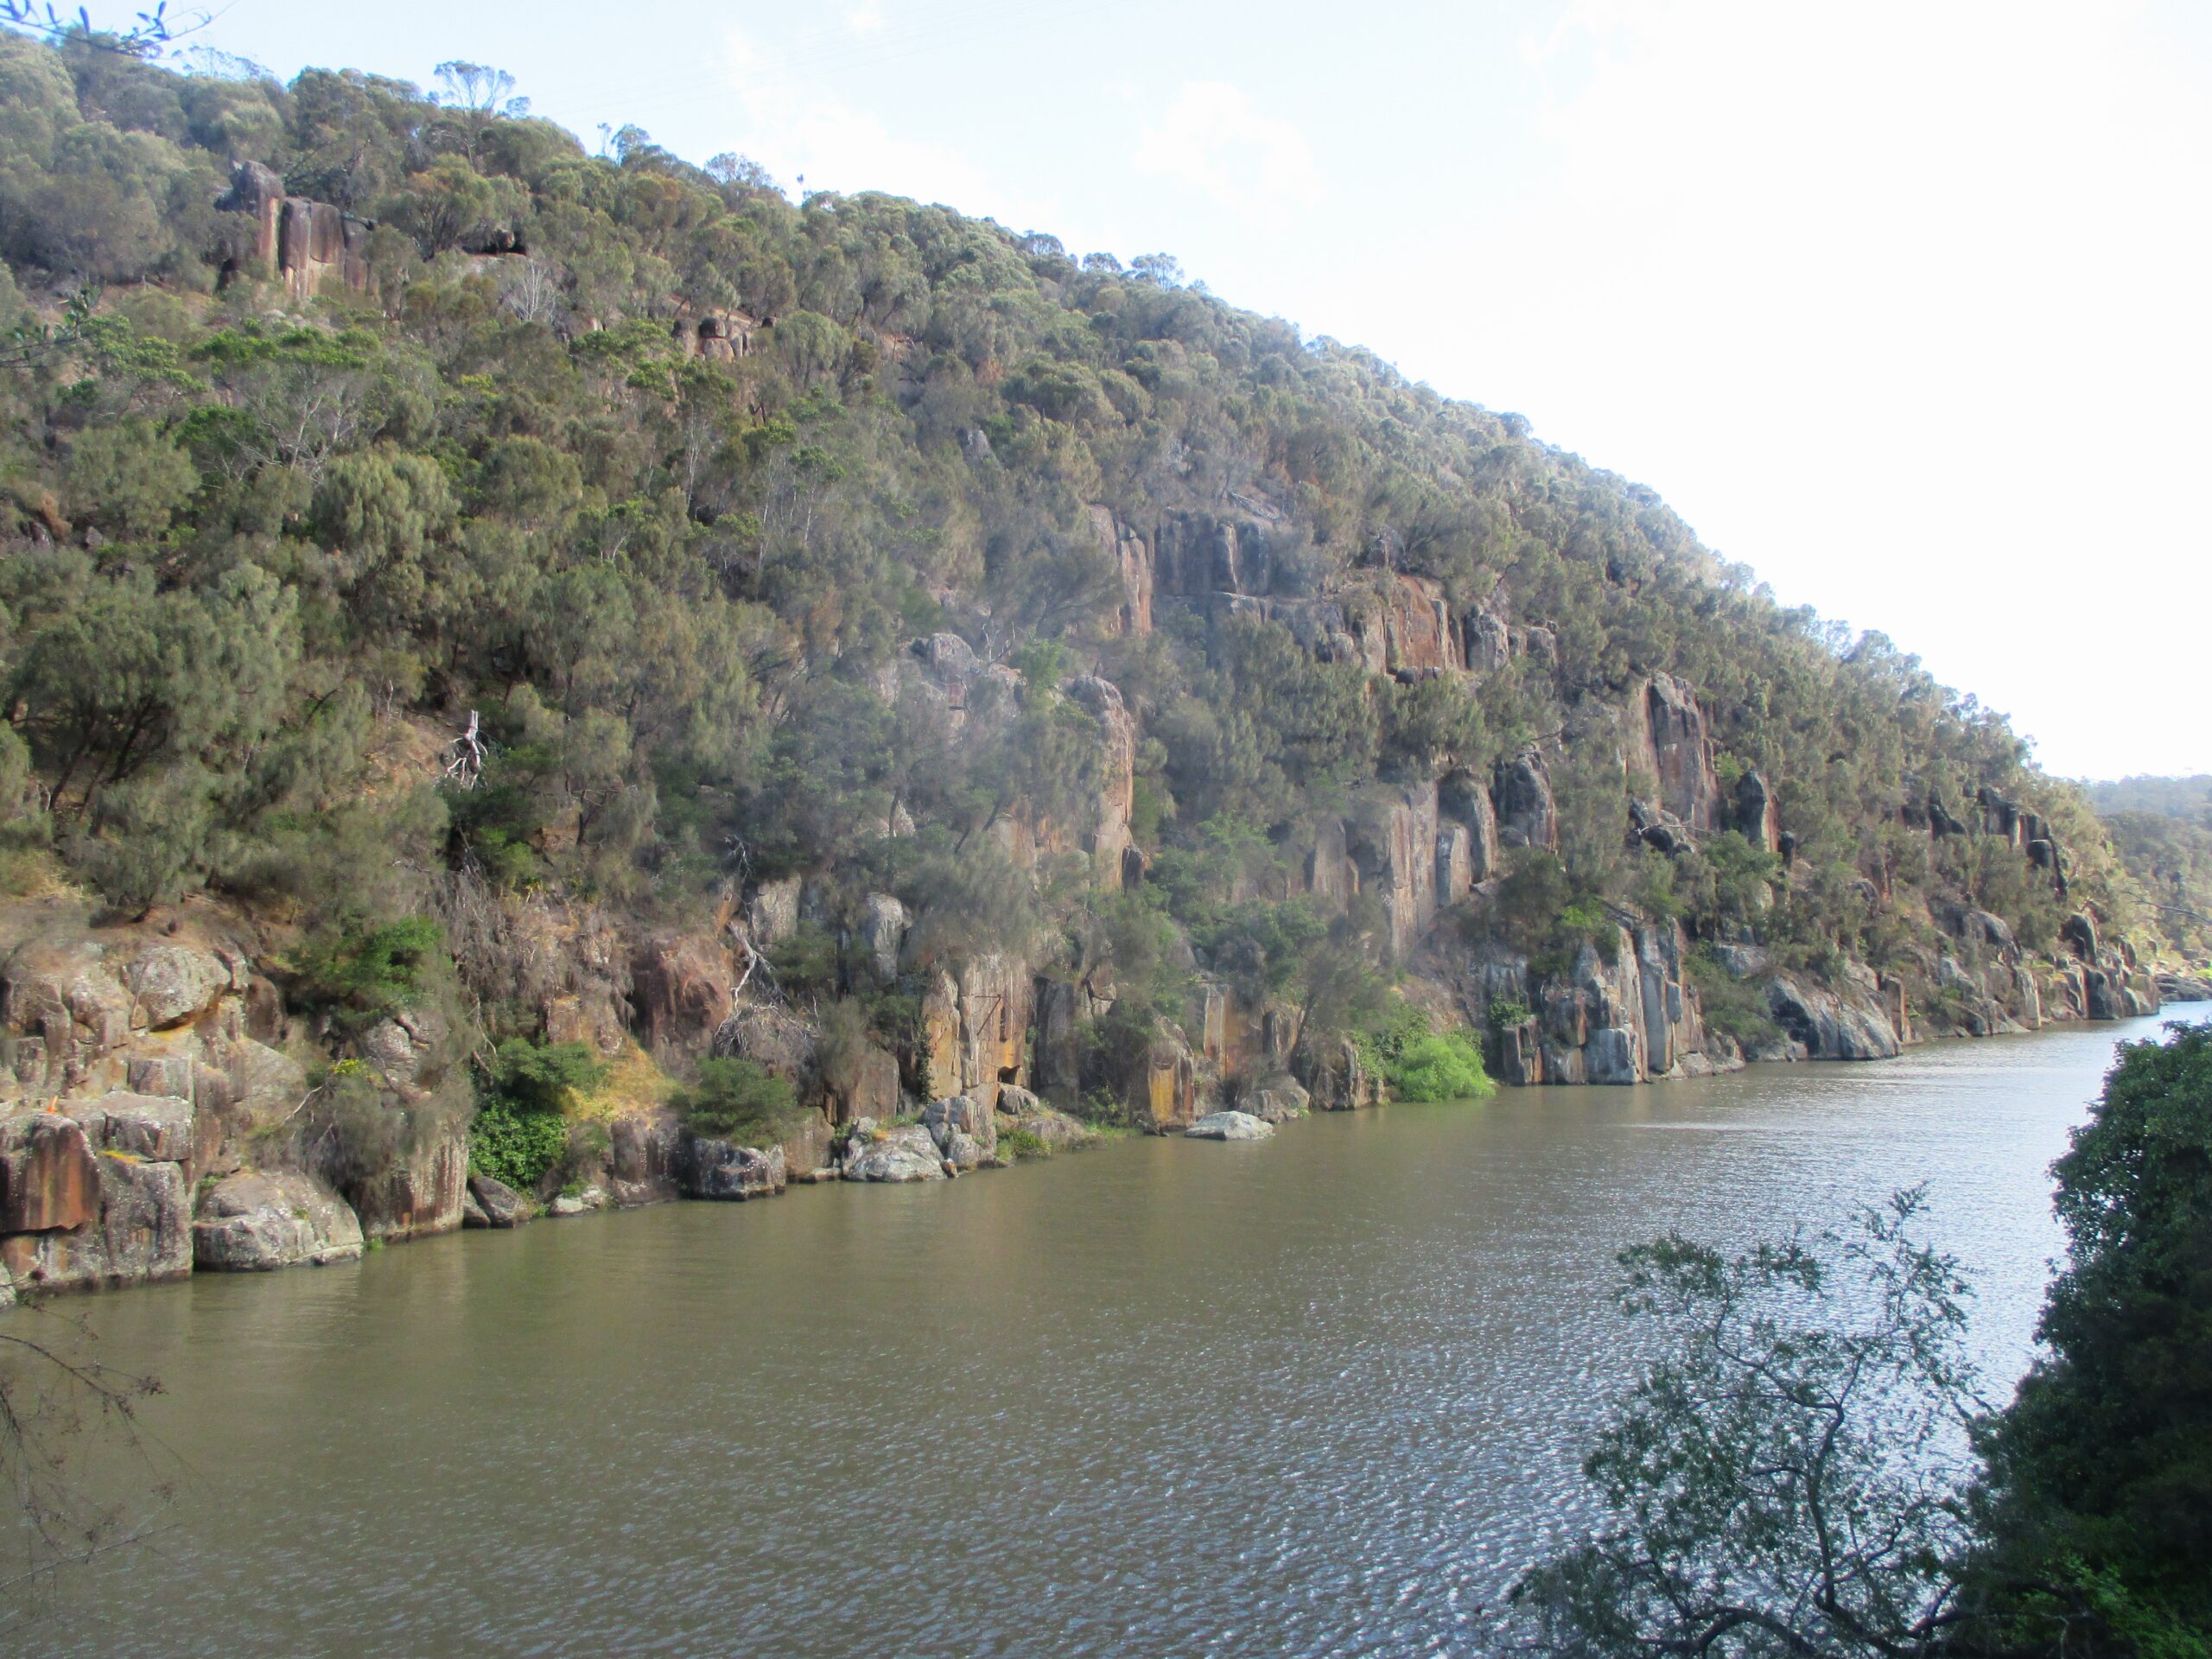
(256, 1221)
(1229, 1125)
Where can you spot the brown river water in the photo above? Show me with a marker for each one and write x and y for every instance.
(1324, 1394)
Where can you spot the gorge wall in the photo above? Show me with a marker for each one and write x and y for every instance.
(583, 663)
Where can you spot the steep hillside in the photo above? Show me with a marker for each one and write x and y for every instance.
(525, 631)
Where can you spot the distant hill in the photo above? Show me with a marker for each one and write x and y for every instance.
(2189, 798)
(2162, 828)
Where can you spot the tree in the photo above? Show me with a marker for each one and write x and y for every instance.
(2098, 1503)
(475, 96)
(130, 479)
(738, 1099)
(1785, 1476)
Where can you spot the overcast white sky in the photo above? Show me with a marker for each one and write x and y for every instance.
(1903, 304)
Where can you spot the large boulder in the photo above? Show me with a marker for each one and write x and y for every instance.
(1613, 1054)
(1338, 1079)
(142, 1232)
(420, 1191)
(908, 1152)
(1229, 1125)
(496, 1203)
(1036, 1129)
(717, 1169)
(257, 1221)
(1280, 1099)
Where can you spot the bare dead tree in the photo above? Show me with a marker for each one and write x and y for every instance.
(530, 291)
(465, 755)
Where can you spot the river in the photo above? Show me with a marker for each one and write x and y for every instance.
(1322, 1395)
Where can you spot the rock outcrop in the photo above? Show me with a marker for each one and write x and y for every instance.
(419, 1192)
(1526, 814)
(1845, 1022)
(643, 1152)
(1623, 1012)
(717, 1169)
(256, 1221)
(1163, 1092)
(1393, 845)
(83, 1207)
(309, 245)
(976, 1028)
(1022, 1114)
(1678, 749)
(907, 1153)
(496, 1203)
(964, 1130)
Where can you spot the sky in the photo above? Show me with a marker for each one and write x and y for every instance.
(1906, 306)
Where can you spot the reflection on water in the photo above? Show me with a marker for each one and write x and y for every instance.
(1321, 1394)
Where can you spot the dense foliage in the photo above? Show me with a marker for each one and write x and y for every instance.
(520, 1130)
(738, 1100)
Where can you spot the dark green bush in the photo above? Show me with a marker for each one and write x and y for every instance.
(521, 1129)
(512, 1143)
(372, 972)
(739, 1100)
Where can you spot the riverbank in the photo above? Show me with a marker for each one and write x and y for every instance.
(166, 1123)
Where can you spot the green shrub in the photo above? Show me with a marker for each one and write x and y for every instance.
(739, 1100)
(1019, 1144)
(521, 1129)
(1449, 1067)
(374, 972)
(1388, 1034)
(512, 1143)
(544, 1077)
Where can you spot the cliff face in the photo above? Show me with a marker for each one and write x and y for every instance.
(599, 616)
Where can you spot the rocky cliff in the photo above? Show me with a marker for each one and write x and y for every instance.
(538, 679)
